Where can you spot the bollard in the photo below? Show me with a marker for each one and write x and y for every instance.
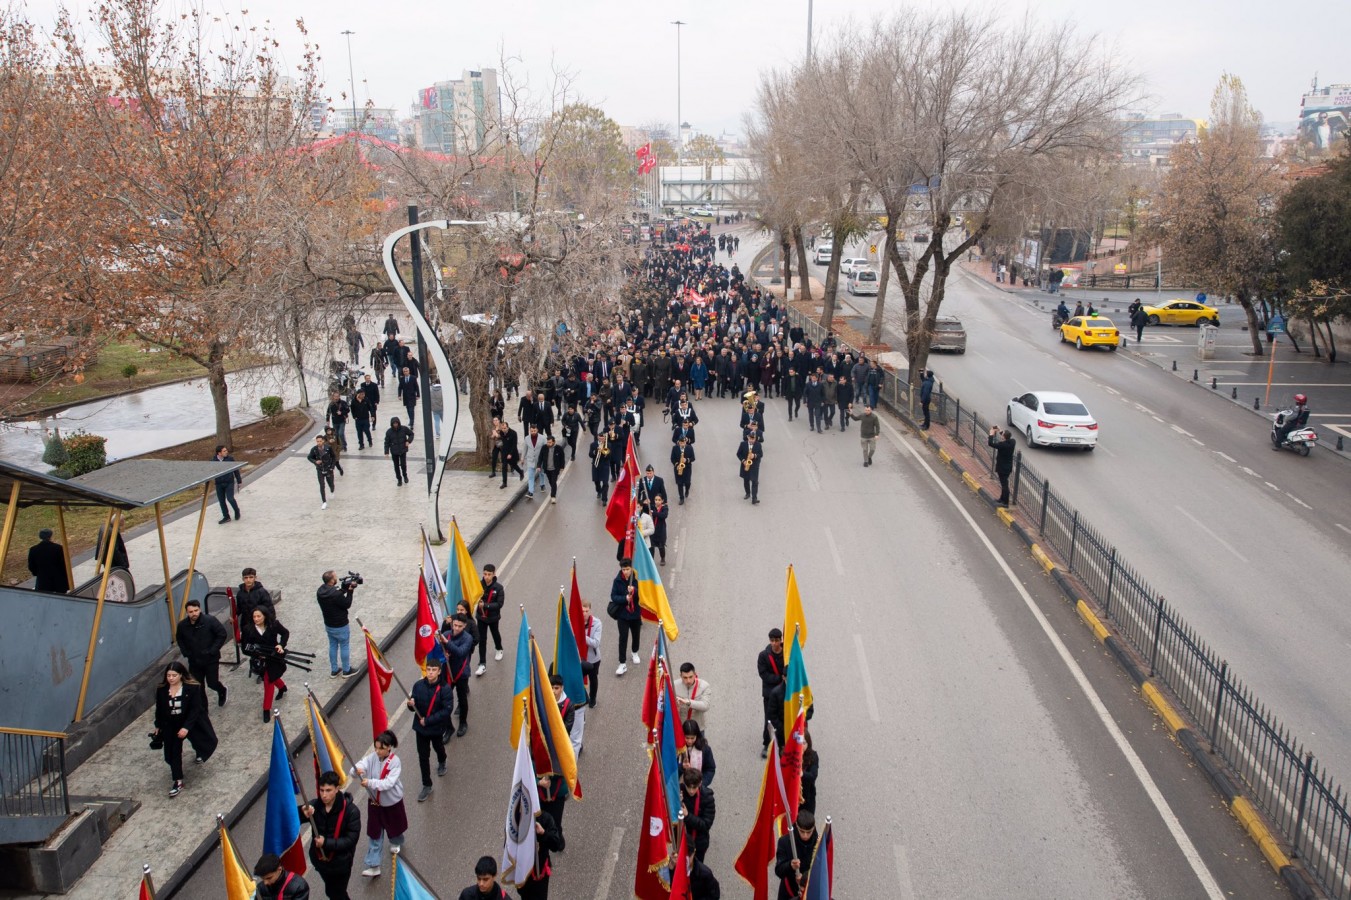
(1256, 404)
(1214, 383)
(1339, 442)
(1196, 375)
(1234, 395)
(1174, 365)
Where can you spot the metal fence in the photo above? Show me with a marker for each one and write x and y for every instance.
(1296, 793)
(33, 773)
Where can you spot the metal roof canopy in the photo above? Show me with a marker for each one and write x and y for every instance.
(130, 484)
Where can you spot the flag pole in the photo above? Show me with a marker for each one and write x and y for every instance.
(395, 674)
(149, 882)
(333, 731)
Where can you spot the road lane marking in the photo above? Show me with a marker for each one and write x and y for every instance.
(1180, 430)
(1197, 443)
(1272, 486)
(504, 567)
(1250, 471)
(869, 696)
(1342, 527)
(1160, 803)
(1297, 500)
(1219, 540)
(903, 873)
(834, 551)
(607, 871)
(1224, 456)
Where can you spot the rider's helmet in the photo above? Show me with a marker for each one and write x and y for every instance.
(1300, 399)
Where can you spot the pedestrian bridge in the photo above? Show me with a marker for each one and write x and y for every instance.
(727, 187)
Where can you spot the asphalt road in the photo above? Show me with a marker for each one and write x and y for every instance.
(975, 740)
(1250, 546)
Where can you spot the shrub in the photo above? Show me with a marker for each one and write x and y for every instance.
(54, 453)
(271, 407)
(129, 370)
(85, 453)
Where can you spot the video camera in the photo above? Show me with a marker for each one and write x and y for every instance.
(350, 581)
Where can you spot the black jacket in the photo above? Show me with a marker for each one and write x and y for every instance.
(703, 884)
(650, 491)
(473, 893)
(341, 830)
(700, 810)
(47, 562)
(628, 609)
(264, 646)
(490, 605)
(194, 717)
(363, 409)
(783, 863)
(229, 477)
(408, 389)
(397, 440)
(246, 601)
(200, 641)
(431, 707)
(337, 412)
(1003, 449)
(770, 665)
(744, 451)
(322, 457)
(288, 887)
(334, 603)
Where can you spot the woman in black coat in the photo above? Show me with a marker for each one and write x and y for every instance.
(265, 640)
(181, 713)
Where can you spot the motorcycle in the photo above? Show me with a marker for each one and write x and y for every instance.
(1056, 320)
(1300, 440)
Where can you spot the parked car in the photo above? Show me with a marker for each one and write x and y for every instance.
(823, 251)
(949, 334)
(851, 264)
(862, 281)
(1090, 331)
(1053, 418)
(902, 251)
(1182, 312)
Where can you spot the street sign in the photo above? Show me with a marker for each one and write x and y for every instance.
(1276, 325)
(872, 248)
(1119, 268)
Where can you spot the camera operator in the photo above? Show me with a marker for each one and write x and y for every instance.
(335, 599)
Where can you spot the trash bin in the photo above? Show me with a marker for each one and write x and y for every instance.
(1205, 343)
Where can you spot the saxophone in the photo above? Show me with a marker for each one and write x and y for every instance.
(680, 466)
(750, 458)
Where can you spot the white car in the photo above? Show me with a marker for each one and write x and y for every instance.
(700, 212)
(1053, 419)
(823, 251)
(861, 282)
(851, 264)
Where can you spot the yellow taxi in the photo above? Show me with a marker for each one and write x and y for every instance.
(1182, 312)
(1090, 331)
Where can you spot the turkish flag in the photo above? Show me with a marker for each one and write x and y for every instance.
(619, 514)
(643, 151)
(425, 638)
(651, 876)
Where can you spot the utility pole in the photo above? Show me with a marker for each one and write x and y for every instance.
(809, 32)
(424, 367)
(351, 77)
(680, 137)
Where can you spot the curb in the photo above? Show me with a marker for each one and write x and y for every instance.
(169, 888)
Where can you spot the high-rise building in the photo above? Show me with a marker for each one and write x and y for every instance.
(457, 116)
(1150, 141)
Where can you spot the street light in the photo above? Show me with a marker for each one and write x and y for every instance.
(428, 344)
(809, 31)
(351, 77)
(680, 137)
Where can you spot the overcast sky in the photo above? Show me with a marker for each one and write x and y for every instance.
(622, 55)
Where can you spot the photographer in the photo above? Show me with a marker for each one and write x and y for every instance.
(334, 601)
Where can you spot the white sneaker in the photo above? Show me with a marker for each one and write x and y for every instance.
(622, 669)
(324, 505)
(637, 660)
(498, 656)
(553, 500)
(481, 669)
(373, 872)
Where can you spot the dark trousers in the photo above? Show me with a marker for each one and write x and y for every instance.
(400, 467)
(225, 493)
(602, 482)
(485, 626)
(552, 475)
(411, 407)
(535, 889)
(683, 482)
(173, 752)
(511, 463)
(462, 696)
(627, 627)
(828, 414)
(1139, 332)
(794, 407)
(496, 457)
(555, 807)
(1003, 487)
(364, 438)
(425, 744)
(325, 476)
(335, 878)
(751, 482)
(773, 713)
(208, 673)
(813, 417)
(591, 671)
(572, 445)
(924, 407)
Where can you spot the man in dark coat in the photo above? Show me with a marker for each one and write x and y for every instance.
(489, 615)
(276, 883)
(409, 393)
(793, 857)
(225, 485)
(623, 608)
(47, 562)
(200, 639)
(1003, 445)
(336, 824)
(431, 704)
(926, 393)
(650, 485)
(682, 460)
(750, 453)
(770, 666)
(700, 809)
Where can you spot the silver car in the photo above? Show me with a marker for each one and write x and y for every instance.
(949, 334)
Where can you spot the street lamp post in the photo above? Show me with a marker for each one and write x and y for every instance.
(809, 31)
(680, 137)
(429, 345)
(351, 77)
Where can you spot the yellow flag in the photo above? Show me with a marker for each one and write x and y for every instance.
(239, 883)
(794, 619)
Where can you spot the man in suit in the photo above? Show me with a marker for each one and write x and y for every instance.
(409, 394)
(750, 453)
(682, 459)
(543, 416)
(651, 485)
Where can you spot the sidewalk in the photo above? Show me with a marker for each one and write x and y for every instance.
(370, 526)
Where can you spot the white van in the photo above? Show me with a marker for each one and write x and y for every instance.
(862, 281)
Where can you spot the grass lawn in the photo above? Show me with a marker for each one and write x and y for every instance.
(255, 444)
(104, 376)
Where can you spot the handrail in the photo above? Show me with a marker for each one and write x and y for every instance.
(33, 732)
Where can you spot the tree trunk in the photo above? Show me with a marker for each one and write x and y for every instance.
(787, 264)
(802, 272)
(889, 240)
(1254, 328)
(1332, 343)
(1313, 338)
(479, 412)
(832, 285)
(220, 392)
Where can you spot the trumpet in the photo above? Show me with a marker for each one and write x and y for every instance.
(750, 460)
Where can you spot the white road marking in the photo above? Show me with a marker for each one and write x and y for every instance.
(1145, 409)
(903, 873)
(1297, 500)
(1180, 430)
(504, 571)
(679, 553)
(1342, 527)
(1250, 471)
(869, 696)
(1179, 834)
(834, 551)
(1272, 486)
(1197, 443)
(1113, 391)
(812, 482)
(1224, 456)
(1219, 540)
(607, 870)
(1157, 419)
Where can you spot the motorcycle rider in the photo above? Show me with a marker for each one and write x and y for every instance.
(1298, 418)
(1062, 312)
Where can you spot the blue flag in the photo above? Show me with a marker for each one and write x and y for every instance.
(567, 662)
(281, 828)
(670, 764)
(407, 884)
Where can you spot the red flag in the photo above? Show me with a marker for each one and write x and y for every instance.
(680, 875)
(619, 514)
(791, 767)
(752, 863)
(575, 616)
(425, 639)
(147, 892)
(643, 151)
(379, 676)
(654, 843)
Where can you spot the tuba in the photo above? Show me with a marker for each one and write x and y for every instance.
(749, 404)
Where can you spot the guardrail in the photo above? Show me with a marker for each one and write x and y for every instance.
(1282, 777)
(33, 773)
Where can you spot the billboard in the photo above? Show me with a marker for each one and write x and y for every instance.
(1325, 117)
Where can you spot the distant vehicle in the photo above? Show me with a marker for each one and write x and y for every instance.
(1052, 419)
(902, 251)
(700, 212)
(823, 251)
(1182, 312)
(861, 282)
(921, 237)
(949, 334)
(1090, 331)
(851, 264)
